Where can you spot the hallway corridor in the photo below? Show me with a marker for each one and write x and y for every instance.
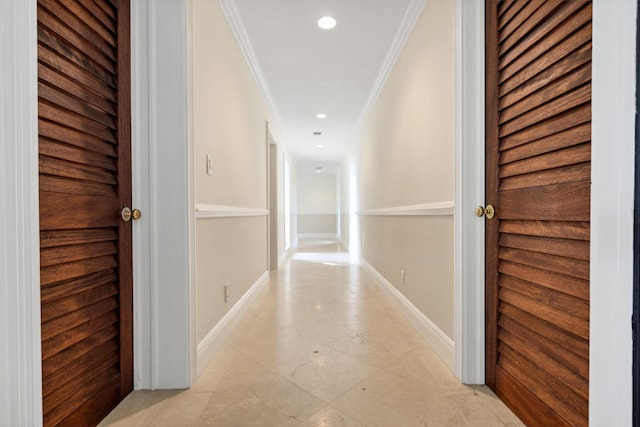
(320, 345)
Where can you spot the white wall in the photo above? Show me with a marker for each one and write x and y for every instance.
(317, 201)
(406, 163)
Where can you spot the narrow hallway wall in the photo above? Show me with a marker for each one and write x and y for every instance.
(406, 171)
(231, 203)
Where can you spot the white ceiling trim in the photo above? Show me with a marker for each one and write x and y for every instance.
(406, 27)
(237, 28)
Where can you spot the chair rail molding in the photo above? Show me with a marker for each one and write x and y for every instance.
(222, 211)
(426, 209)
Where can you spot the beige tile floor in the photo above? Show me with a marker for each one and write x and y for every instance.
(321, 345)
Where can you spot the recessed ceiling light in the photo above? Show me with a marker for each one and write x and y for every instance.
(319, 145)
(321, 116)
(326, 22)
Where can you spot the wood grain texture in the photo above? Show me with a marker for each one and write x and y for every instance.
(531, 410)
(538, 177)
(85, 180)
(491, 182)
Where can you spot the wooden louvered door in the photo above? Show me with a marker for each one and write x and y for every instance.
(538, 163)
(85, 180)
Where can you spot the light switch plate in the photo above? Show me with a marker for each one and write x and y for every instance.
(209, 165)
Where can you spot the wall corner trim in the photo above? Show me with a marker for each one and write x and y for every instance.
(426, 209)
(221, 211)
(213, 340)
(441, 344)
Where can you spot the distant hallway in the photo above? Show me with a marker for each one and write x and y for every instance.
(320, 345)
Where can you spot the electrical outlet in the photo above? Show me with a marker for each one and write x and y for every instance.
(226, 292)
(402, 276)
(209, 165)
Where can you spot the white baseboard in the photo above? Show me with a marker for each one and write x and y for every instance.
(441, 344)
(212, 342)
(286, 256)
(332, 236)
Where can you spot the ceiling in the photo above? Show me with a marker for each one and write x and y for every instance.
(304, 70)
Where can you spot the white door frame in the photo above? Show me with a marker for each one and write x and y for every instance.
(20, 357)
(469, 193)
(164, 244)
(164, 344)
(613, 145)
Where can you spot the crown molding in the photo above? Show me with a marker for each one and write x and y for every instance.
(237, 28)
(402, 35)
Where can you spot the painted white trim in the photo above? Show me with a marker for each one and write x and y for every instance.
(191, 223)
(469, 262)
(334, 213)
(332, 236)
(237, 28)
(441, 344)
(286, 256)
(214, 339)
(141, 192)
(426, 209)
(343, 243)
(20, 351)
(409, 20)
(612, 176)
(171, 207)
(220, 211)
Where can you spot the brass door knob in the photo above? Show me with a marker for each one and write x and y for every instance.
(489, 211)
(127, 214)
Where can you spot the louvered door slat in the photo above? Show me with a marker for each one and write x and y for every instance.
(64, 151)
(79, 366)
(98, 40)
(85, 179)
(574, 136)
(553, 263)
(106, 17)
(75, 237)
(538, 179)
(95, 20)
(534, 347)
(510, 10)
(72, 87)
(559, 87)
(61, 38)
(83, 345)
(80, 107)
(519, 18)
(537, 26)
